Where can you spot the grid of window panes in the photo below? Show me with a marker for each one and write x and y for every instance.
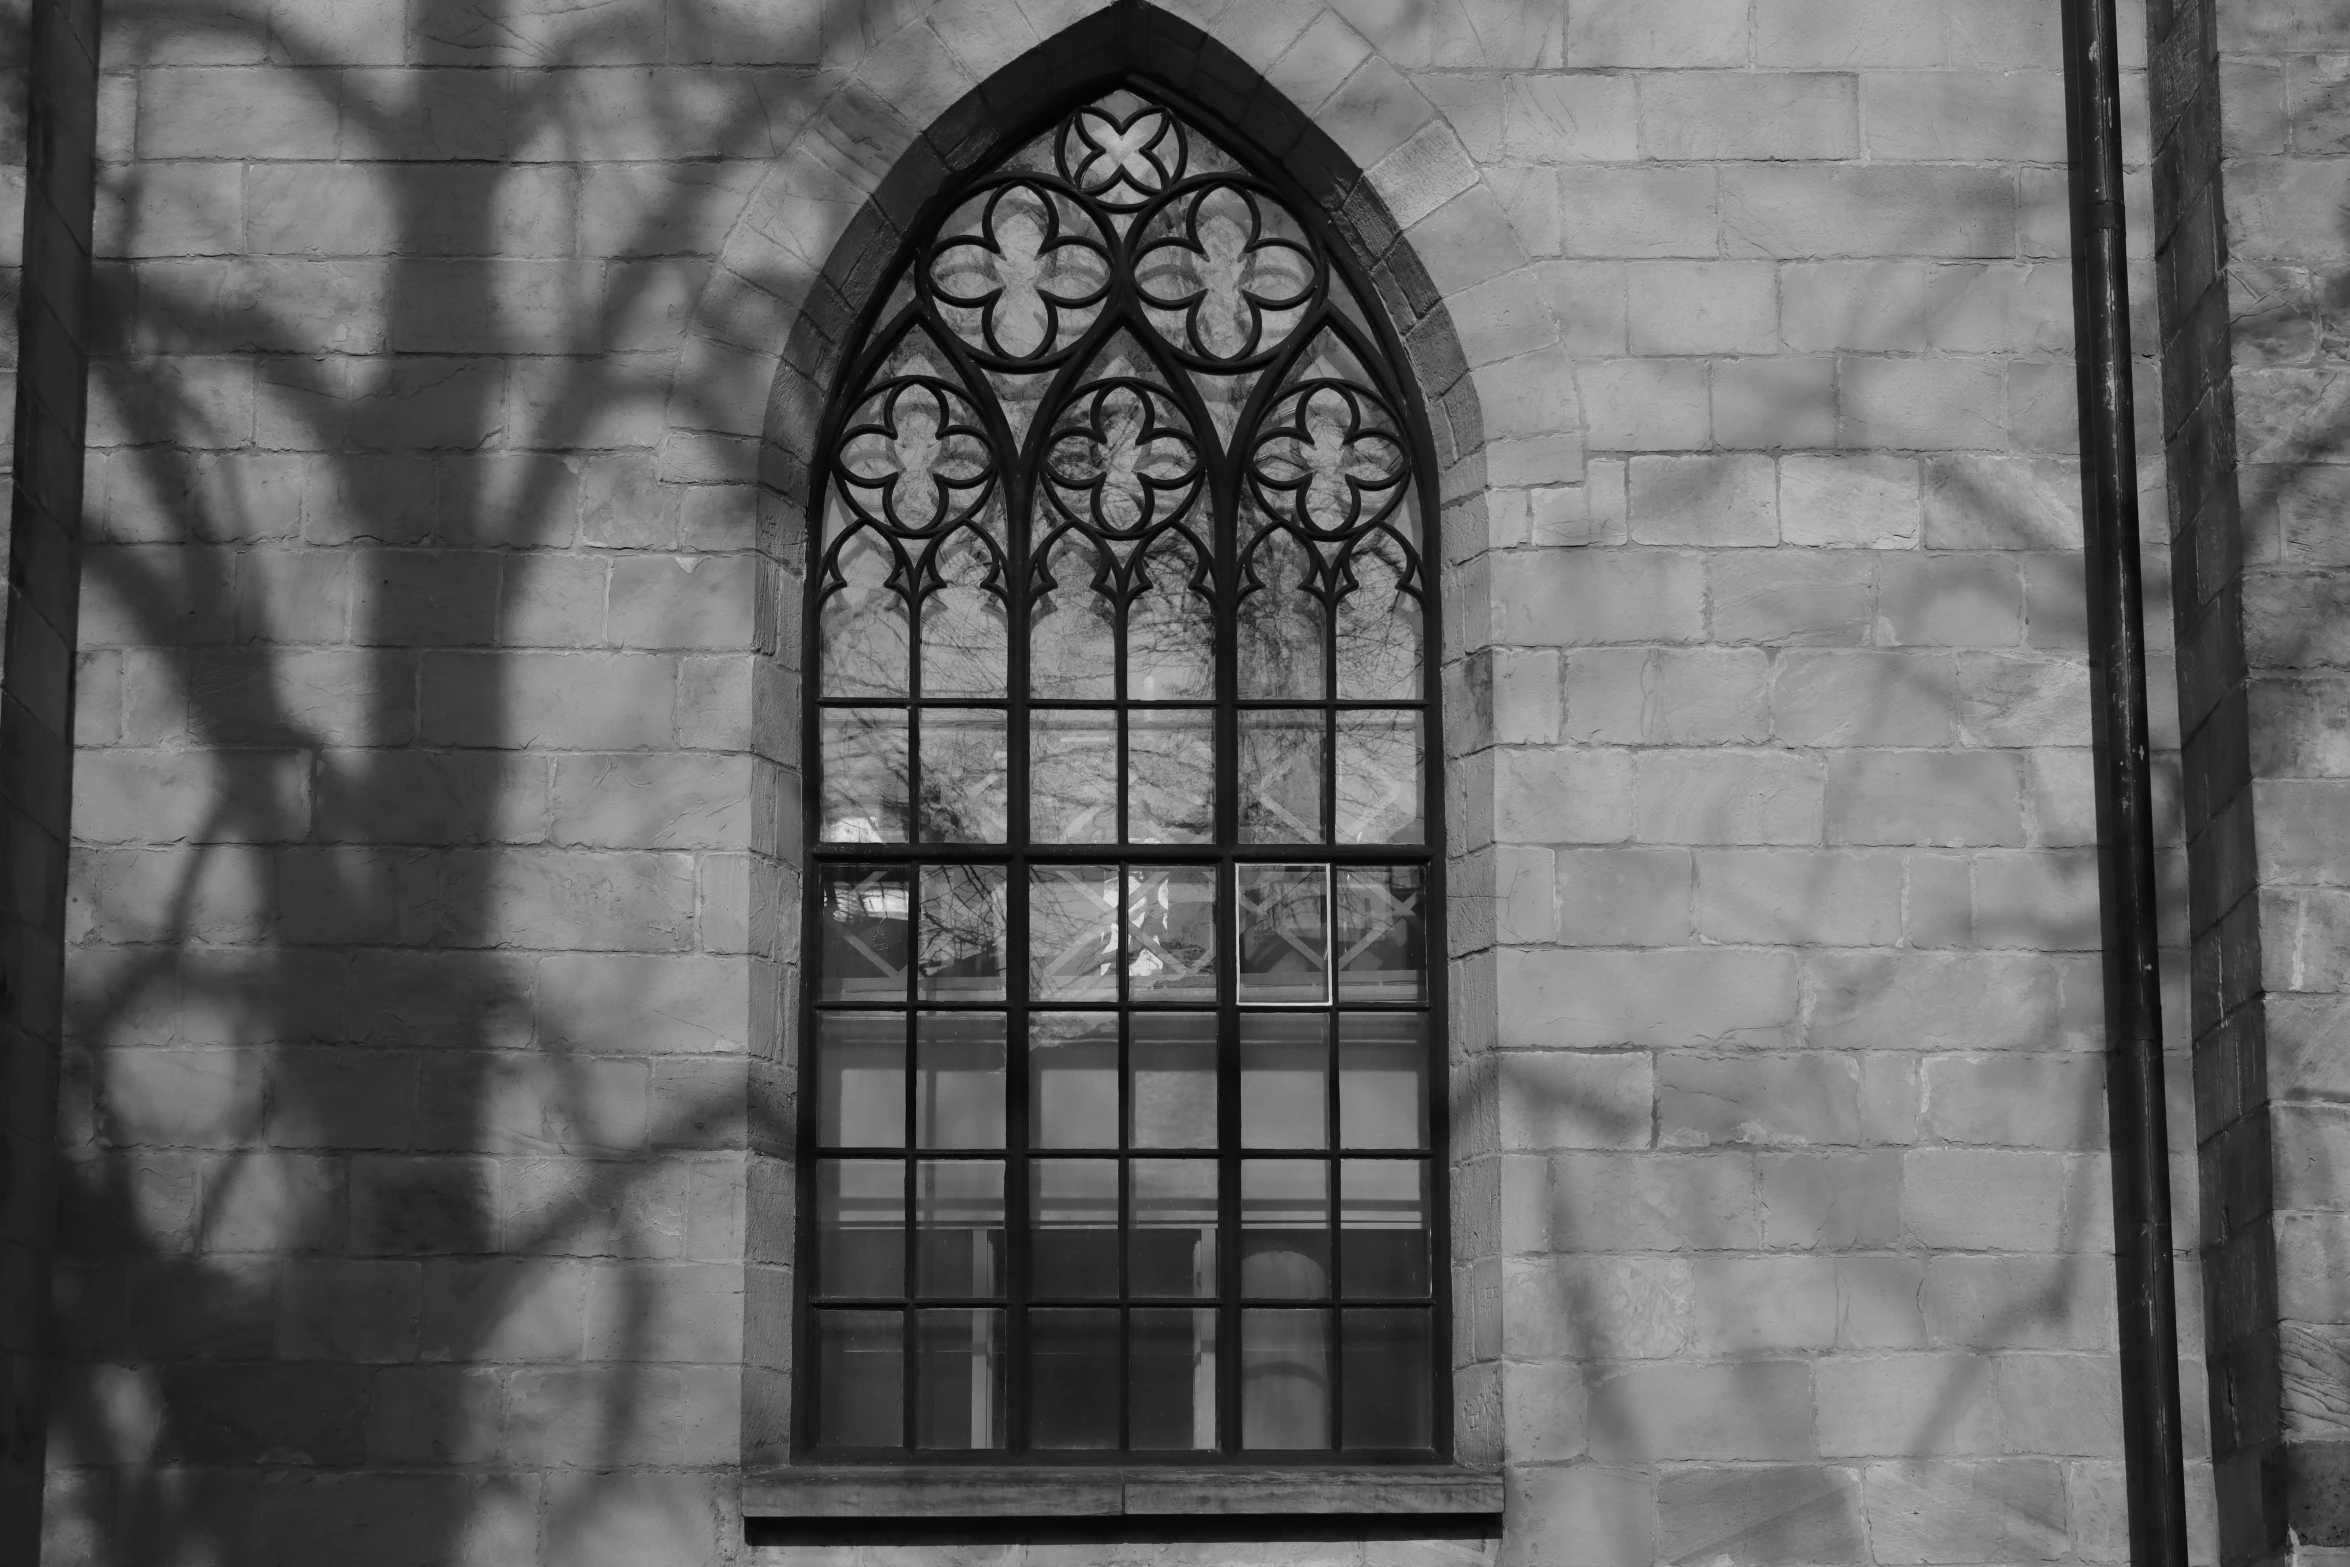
(1122, 1097)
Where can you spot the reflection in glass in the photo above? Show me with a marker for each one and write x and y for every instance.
(963, 623)
(1379, 628)
(1073, 1080)
(1171, 933)
(1284, 935)
(860, 1375)
(1383, 1229)
(959, 1384)
(1172, 1250)
(1284, 1080)
(1280, 619)
(1171, 784)
(962, 933)
(1072, 775)
(1284, 1379)
(1382, 1080)
(861, 639)
(1073, 1228)
(1378, 776)
(1387, 1359)
(860, 1228)
(1073, 1379)
(964, 766)
(1072, 631)
(1280, 784)
(865, 774)
(1170, 630)
(864, 911)
(1073, 933)
(958, 1228)
(1173, 1056)
(1284, 1229)
(1171, 1375)
(861, 1079)
(1381, 953)
(959, 1080)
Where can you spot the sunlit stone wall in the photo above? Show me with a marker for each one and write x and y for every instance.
(434, 923)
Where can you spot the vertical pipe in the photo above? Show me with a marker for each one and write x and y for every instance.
(2125, 826)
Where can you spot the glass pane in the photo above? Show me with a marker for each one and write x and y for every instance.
(1378, 777)
(1382, 955)
(1171, 781)
(1383, 1229)
(1285, 1080)
(861, 1079)
(1073, 933)
(959, 1385)
(1072, 1379)
(1173, 1058)
(1172, 1250)
(1284, 1229)
(964, 762)
(860, 1228)
(865, 773)
(1388, 1361)
(1281, 776)
(1284, 1379)
(1073, 1080)
(964, 623)
(861, 629)
(1170, 628)
(1072, 775)
(1171, 933)
(959, 1080)
(1284, 919)
(860, 1375)
(864, 911)
(1382, 1080)
(1280, 619)
(962, 933)
(958, 1228)
(1171, 1378)
(1379, 627)
(1073, 1240)
(1073, 635)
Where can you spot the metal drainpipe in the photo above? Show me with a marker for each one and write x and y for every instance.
(2125, 803)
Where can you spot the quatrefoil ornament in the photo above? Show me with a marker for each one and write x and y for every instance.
(1234, 288)
(1122, 459)
(1333, 464)
(1123, 161)
(1031, 279)
(919, 463)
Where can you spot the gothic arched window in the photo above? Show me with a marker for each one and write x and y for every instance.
(1122, 1090)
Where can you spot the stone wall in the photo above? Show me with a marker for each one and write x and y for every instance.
(432, 943)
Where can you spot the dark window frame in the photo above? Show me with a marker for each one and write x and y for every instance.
(854, 364)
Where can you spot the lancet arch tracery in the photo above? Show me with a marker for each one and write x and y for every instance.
(1123, 1102)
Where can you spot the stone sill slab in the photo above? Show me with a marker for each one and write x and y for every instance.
(843, 1491)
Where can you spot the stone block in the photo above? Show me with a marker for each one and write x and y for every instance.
(1544, 1409)
(1593, 998)
(1936, 600)
(1572, 1099)
(1558, 598)
(1923, 404)
(1765, 1306)
(407, 1206)
(1643, 405)
(2022, 700)
(185, 1098)
(1755, 1409)
(1666, 696)
(1726, 115)
(634, 800)
(1713, 502)
(1674, 33)
(1829, 1201)
(592, 702)
(1849, 502)
(1563, 796)
(1661, 1202)
(1638, 211)
(1830, 34)
(1728, 797)
(1595, 1308)
(1998, 1199)
(2016, 1101)
(1965, 116)
(362, 1312)
(1862, 699)
(1794, 897)
(1623, 897)
(1906, 1406)
(1590, 301)
(1704, 307)
(288, 1414)
(1792, 599)
(1775, 404)
(517, 1309)
(2019, 1302)
(430, 797)
(1774, 210)
(1778, 1100)
(1877, 1303)
(1778, 1515)
(1580, 1516)
(1964, 1511)
(1924, 797)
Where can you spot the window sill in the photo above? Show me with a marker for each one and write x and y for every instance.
(846, 1492)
